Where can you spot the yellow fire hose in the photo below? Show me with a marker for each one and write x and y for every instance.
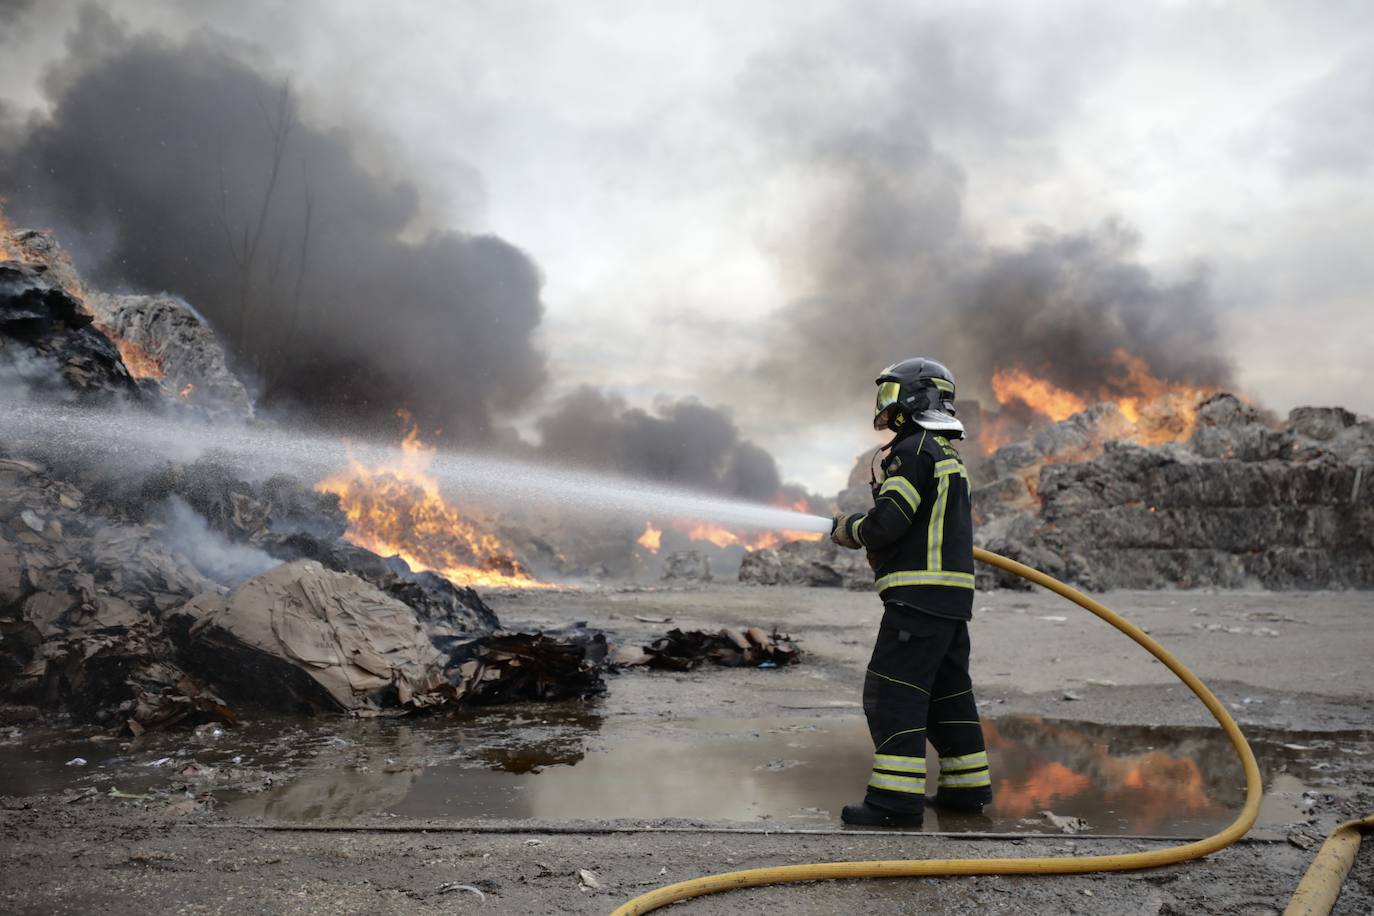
(1319, 888)
(1067, 865)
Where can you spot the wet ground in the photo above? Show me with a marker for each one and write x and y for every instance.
(1078, 724)
(566, 762)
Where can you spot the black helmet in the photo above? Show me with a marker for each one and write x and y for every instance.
(911, 388)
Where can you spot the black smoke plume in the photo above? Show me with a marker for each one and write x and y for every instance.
(681, 442)
(192, 168)
(883, 264)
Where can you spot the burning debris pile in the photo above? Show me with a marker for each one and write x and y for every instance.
(1185, 489)
(1244, 500)
(125, 592)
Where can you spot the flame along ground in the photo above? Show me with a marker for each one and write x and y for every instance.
(1153, 411)
(723, 537)
(398, 510)
(140, 363)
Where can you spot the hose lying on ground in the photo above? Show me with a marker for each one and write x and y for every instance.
(1319, 888)
(1065, 865)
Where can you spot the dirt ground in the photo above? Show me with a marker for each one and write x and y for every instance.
(1287, 663)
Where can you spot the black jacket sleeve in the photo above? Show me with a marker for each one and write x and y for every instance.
(895, 506)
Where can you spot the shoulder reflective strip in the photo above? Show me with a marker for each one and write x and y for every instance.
(943, 384)
(966, 762)
(950, 466)
(942, 577)
(912, 784)
(936, 535)
(905, 731)
(900, 764)
(960, 722)
(904, 488)
(896, 681)
(964, 780)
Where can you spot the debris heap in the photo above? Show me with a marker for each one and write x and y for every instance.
(1244, 500)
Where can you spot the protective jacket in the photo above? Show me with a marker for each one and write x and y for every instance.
(919, 533)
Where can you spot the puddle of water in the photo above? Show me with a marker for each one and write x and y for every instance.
(566, 763)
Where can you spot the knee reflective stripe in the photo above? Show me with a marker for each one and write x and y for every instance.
(898, 764)
(926, 577)
(968, 771)
(913, 785)
(966, 762)
(965, 780)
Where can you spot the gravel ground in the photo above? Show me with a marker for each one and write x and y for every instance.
(1295, 662)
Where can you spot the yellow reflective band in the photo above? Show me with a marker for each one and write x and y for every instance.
(914, 785)
(948, 466)
(902, 487)
(857, 525)
(936, 535)
(926, 577)
(943, 384)
(967, 762)
(965, 780)
(899, 764)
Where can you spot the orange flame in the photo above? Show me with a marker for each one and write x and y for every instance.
(398, 510)
(1040, 395)
(8, 251)
(723, 537)
(1155, 411)
(652, 538)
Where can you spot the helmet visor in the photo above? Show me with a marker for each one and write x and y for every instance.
(886, 405)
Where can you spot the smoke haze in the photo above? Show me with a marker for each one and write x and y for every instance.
(722, 201)
(182, 166)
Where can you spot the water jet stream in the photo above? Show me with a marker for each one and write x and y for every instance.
(128, 438)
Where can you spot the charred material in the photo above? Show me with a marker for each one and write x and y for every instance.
(509, 667)
(48, 346)
(683, 651)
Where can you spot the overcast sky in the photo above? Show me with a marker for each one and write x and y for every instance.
(657, 161)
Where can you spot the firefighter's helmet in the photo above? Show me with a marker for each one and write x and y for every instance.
(919, 390)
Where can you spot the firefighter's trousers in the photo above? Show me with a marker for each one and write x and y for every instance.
(918, 687)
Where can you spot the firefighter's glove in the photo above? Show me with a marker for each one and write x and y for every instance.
(841, 531)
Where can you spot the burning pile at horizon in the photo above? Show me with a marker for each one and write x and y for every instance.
(179, 166)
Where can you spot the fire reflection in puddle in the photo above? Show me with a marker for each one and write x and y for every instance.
(570, 764)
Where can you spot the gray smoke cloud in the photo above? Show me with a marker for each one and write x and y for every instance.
(681, 442)
(186, 531)
(883, 263)
(190, 166)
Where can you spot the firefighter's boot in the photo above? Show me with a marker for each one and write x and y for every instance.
(865, 815)
(961, 800)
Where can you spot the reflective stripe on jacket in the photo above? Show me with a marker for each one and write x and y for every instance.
(919, 533)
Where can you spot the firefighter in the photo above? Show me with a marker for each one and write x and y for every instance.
(919, 539)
